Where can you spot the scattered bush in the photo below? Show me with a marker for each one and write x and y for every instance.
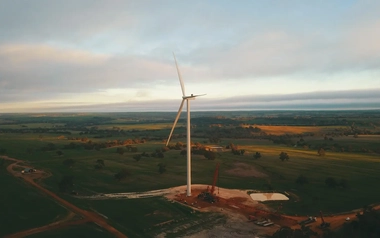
(161, 168)
(122, 174)
(284, 156)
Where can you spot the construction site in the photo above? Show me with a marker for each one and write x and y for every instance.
(206, 198)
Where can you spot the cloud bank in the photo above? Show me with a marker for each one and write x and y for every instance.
(247, 54)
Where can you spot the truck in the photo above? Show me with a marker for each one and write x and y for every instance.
(28, 170)
(308, 221)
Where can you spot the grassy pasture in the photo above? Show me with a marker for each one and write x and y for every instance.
(145, 176)
(144, 173)
(149, 217)
(23, 207)
(135, 126)
(85, 230)
(30, 125)
(359, 169)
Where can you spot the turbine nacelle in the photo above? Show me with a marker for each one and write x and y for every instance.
(192, 96)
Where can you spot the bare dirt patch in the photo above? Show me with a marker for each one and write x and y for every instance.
(246, 170)
(236, 225)
(237, 205)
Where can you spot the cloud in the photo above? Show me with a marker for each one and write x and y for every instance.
(348, 99)
(276, 53)
(64, 21)
(88, 50)
(33, 69)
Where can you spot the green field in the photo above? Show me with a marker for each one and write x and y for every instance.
(23, 207)
(351, 143)
(149, 217)
(85, 230)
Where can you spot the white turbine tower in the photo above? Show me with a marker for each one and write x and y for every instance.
(188, 141)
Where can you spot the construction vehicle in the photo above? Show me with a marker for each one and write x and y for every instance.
(208, 195)
(266, 222)
(323, 224)
(308, 221)
(261, 222)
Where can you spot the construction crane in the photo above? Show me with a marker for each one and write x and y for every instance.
(323, 224)
(208, 195)
(216, 173)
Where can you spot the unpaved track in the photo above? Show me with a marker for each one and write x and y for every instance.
(87, 215)
(55, 225)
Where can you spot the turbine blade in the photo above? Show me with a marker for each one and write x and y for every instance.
(179, 76)
(175, 121)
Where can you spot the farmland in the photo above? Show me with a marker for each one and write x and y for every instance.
(84, 148)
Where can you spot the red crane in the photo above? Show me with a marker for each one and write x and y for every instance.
(216, 172)
(208, 195)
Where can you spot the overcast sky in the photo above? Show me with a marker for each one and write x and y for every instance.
(82, 55)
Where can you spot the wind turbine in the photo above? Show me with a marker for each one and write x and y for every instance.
(188, 143)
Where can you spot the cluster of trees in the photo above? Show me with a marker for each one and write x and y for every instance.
(122, 174)
(321, 152)
(283, 139)
(333, 183)
(210, 155)
(214, 132)
(238, 152)
(287, 232)
(330, 182)
(128, 148)
(161, 168)
(367, 224)
(116, 131)
(177, 146)
(301, 180)
(341, 148)
(257, 155)
(99, 164)
(235, 149)
(90, 145)
(113, 142)
(35, 131)
(214, 139)
(284, 156)
(138, 157)
(158, 153)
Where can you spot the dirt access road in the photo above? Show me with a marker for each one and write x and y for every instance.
(87, 215)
